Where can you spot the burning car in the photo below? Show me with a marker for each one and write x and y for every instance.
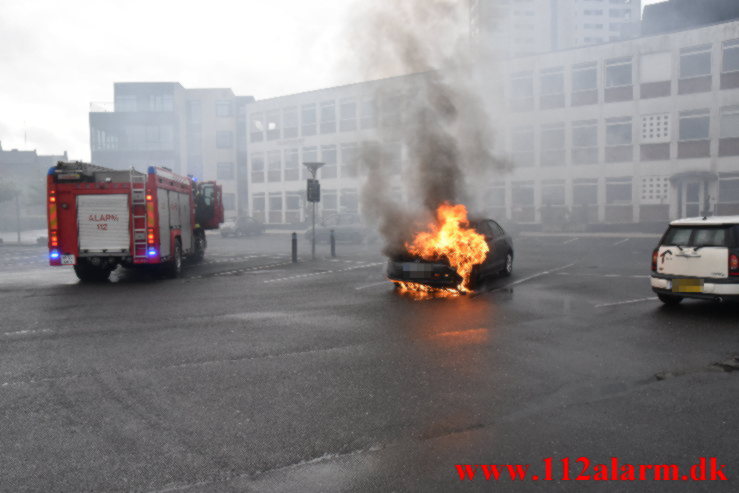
(455, 256)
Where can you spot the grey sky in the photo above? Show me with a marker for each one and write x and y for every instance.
(57, 57)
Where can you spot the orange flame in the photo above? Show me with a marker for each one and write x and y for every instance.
(450, 238)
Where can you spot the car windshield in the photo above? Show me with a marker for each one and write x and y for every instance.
(697, 236)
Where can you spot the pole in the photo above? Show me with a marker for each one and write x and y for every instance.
(18, 216)
(295, 247)
(333, 244)
(313, 236)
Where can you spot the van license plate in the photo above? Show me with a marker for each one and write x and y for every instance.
(687, 285)
(67, 259)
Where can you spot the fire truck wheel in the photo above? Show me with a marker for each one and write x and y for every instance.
(90, 273)
(173, 268)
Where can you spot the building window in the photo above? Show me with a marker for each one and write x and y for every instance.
(152, 134)
(731, 56)
(655, 128)
(308, 119)
(654, 189)
(348, 200)
(257, 206)
(328, 156)
(273, 124)
(224, 139)
(225, 171)
(585, 77)
(694, 125)
(349, 160)
(328, 117)
(552, 82)
(655, 67)
(522, 149)
(229, 201)
(329, 202)
(618, 72)
(618, 131)
(274, 166)
(194, 111)
(728, 190)
(257, 168)
(368, 116)
(292, 165)
(161, 102)
(730, 122)
(522, 194)
(391, 110)
(553, 193)
(224, 108)
(553, 145)
(347, 115)
(585, 142)
(275, 207)
(522, 90)
(593, 12)
(292, 207)
(256, 127)
(125, 103)
(290, 122)
(695, 61)
(618, 191)
(585, 192)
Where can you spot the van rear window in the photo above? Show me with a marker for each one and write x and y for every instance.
(692, 236)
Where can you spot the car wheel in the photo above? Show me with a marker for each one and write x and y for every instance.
(508, 266)
(669, 299)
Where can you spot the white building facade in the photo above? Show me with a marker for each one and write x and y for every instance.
(636, 131)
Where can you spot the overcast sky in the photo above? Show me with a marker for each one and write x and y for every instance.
(58, 56)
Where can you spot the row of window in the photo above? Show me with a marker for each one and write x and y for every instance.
(332, 200)
(694, 63)
(325, 117)
(339, 161)
(645, 190)
(654, 133)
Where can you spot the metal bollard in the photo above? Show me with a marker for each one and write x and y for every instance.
(333, 243)
(295, 247)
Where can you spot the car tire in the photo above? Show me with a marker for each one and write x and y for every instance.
(670, 299)
(508, 265)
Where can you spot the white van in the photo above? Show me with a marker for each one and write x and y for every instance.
(697, 258)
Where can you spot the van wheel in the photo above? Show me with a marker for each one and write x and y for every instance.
(173, 268)
(669, 299)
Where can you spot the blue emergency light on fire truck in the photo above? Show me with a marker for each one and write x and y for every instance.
(100, 218)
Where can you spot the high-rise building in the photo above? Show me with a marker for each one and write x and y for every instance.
(676, 15)
(512, 28)
(200, 132)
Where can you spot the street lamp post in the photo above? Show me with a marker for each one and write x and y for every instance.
(314, 196)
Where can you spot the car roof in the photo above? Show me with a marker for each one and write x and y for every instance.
(706, 221)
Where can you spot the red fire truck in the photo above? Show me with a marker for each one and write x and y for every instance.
(101, 217)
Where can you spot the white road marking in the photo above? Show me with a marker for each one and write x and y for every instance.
(525, 279)
(621, 242)
(19, 333)
(572, 240)
(639, 300)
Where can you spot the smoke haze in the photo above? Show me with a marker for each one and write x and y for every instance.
(445, 130)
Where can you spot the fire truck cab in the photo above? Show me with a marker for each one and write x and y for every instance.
(100, 218)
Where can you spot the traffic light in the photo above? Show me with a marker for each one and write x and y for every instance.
(314, 190)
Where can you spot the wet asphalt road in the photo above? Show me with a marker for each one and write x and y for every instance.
(254, 374)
